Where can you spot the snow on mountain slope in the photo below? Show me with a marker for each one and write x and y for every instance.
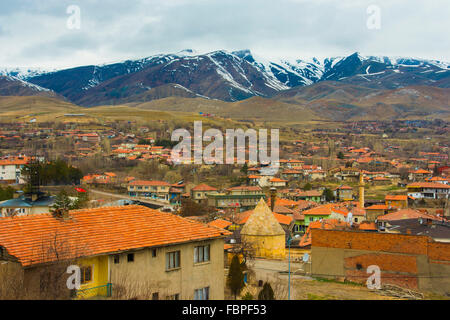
(237, 75)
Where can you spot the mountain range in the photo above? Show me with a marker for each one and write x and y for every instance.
(337, 88)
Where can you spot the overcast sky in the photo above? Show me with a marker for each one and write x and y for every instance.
(34, 33)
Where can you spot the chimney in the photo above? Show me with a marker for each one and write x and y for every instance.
(17, 194)
(273, 196)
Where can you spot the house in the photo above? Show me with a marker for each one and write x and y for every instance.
(26, 204)
(241, 202)
(346, 174)
(200, 193)
(324, 211)
(376, 210)
(118, 249)
(396, 201)
(309, 195)
(157, 190)
(403, 214)
(428, 190)
(438, 230)
(419, 175)
(291, 174)
(344, 193)
(277, 182)
(10, 170)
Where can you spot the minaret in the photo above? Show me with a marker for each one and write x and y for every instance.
(361, 190)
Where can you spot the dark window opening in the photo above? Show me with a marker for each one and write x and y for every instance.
(130, 257)
(154, 253)
(116, 259)
(358, 266)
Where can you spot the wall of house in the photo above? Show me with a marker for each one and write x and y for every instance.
(271, 247)
(413, 262)
(95, 287)
(147, 274)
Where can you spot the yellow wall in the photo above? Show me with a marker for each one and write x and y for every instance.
(99, 276)
(271, 247)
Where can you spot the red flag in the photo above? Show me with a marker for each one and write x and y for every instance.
(80, 190)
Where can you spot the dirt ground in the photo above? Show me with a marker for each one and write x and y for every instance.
(304, 287)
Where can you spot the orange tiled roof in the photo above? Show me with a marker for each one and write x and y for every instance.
(203, 187)
(220, 223)
(377, 207)
(432, 185)
(396, 197)
(148, 183)
(406, 214)
(98, 231)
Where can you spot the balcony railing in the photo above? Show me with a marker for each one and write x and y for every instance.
(94, 292)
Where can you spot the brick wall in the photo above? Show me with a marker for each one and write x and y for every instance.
(409, 261)
(394, 243)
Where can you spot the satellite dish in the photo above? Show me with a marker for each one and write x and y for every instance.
(305, 257)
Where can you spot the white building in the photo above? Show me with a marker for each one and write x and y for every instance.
(10, 170)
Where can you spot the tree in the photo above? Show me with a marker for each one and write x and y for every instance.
(235, 280)
(81, 201)
(62, 202)
(190, 208)
(307, 186)
(340, 155)
(329, 196)
(266, 292)
(244, 168)
(6, 193)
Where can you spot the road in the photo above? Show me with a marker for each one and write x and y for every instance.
(122, 196)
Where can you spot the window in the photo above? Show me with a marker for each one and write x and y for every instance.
(172, 260)
(86, 274)
(116, 259)
(201, 254)
(173, 297)
(154, 253)
(130, 257)
(155, 296)
(201, 294)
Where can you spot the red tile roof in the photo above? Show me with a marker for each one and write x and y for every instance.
(98, 231)
(405, 214)
(149, 183)
(203, 187)
(220, 223)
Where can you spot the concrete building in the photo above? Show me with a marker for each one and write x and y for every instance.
(26, 204)
(10, 170)
(428, 190)
(200, 193)
(128, 252)
(157, 190)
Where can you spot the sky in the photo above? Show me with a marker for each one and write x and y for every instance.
(44, 33)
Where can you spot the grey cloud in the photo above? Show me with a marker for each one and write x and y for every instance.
(295, 28)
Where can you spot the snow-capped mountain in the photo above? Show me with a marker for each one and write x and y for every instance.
(231, 76)
(13, 86)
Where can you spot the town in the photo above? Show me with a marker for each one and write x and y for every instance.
(341, 201)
